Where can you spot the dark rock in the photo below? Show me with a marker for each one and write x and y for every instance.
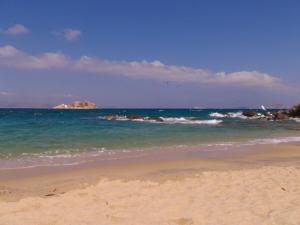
(281, 115)
(250, 113)
(295, 111)
(134, 117)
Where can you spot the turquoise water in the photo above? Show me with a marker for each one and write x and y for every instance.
(26, 132)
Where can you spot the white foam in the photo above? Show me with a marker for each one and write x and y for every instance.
(274, 140)
(297, 120)
(182, 120)
(241, 116)
(42, 165)
(228, 115)
(168, 120)
(236, 115)
(217, 115)
(84, 157)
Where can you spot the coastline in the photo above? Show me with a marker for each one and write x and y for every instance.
(258, 186)
(149, 113)
(160, 164)
(103, 156)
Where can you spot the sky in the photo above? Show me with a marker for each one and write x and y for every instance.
(150, 54)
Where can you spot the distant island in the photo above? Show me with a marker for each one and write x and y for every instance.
(77, 105)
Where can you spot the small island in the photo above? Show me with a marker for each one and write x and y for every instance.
(77, 105)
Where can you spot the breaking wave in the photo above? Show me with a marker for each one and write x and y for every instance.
(182, 120)
(165, 120)
(228, 115)
(297, 119)
(278, 140)
(241, 116)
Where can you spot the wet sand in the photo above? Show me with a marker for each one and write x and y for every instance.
(258, 186)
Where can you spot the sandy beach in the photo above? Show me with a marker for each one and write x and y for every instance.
(260, 187)
(149, 112)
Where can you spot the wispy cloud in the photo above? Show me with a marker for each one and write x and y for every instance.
(10, 57)
(4, 93)
(69, 34)
(13, 58)
(159, 71)
(16, 29)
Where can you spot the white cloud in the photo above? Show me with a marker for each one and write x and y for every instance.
(159, 71)
(4, 93)
(13, 58)
(69, 34)
(16, 30)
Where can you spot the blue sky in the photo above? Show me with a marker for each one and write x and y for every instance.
(149, 53)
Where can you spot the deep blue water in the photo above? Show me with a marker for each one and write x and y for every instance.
(48, 131)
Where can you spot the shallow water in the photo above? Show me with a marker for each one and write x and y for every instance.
(28, 133)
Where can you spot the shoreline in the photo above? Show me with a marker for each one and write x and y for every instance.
(113, 156)
(149, 167)
(258, 186)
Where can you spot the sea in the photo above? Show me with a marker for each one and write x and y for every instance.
(49, 137)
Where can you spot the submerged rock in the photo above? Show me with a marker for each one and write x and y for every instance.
(135, 117)
(111, 117)
(157, 119)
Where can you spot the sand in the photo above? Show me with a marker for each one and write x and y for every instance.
(264, 193)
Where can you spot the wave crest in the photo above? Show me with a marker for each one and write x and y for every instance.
(228, 115)
(164, 120)
(182, 120)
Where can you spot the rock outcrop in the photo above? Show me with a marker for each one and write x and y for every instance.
(133, 118)
(295, 111)
(250, 113)
(77, 105)
(281, 115)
